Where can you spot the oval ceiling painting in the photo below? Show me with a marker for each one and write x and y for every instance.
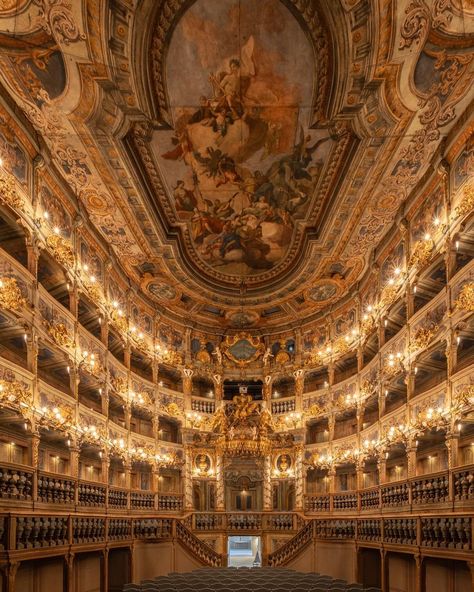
(241, 162)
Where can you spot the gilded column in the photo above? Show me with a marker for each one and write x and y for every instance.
(299, 388)
(35, 444)
(218, 387)
(187, 388)
(267, 390)
(188, 480)
(411, 458)
(220, 489)
(452, 445)
(299, 481)
(267, 483)
(74, 452)
(382, 468)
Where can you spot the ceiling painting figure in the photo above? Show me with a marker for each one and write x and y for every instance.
(241, 162)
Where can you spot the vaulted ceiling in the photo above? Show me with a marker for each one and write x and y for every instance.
(244, 160)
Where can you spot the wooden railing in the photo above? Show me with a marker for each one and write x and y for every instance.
(293, 547)
(450, 489)
(197, 547)
(245, 522)
(19, 532)
(450, 533)
(23, 486)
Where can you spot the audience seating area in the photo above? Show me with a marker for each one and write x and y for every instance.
(265, 579)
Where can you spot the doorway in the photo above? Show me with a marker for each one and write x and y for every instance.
(244, 551)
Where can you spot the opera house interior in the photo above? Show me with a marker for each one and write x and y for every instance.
(236, 295)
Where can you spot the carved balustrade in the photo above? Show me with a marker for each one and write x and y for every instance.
(430, 489)
(117, 498)
(439, 532)
(345, 501)
(282, 522)
(53, 489)
(369, 530)
(32, 532)
(153, 528)
(401, 531)
(293, 547)
(244, 521)
(395, 495)
(317, 503)
(335, 529)
(16, 483)
(370, 499)
(203, 405)
(197, 547)
(142, 501)
(88, 529)
(170, 502)
(91, 495)
(222, 521)
(119, 529)
(463, 484)
(451, 488)
(452, 532)
(283, 406)
(208, 521)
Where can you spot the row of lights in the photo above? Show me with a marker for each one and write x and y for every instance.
(395, 434)
(328, 350)
(372, 309)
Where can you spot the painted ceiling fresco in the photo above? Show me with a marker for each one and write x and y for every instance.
(240, 161)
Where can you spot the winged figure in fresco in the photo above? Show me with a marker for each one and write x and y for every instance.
(219, 166)
(239, 217)
(230, 86)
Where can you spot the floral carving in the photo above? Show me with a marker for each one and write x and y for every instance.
(421, 253)
(423, 337)
(419, 20)
(60, 334)
(465, 299)
(10, 295)
(56, 19)
(8, 193)
(61, 249)
(467, 203)
(415, 24)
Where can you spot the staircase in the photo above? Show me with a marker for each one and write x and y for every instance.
(292, 548)
(197, 548)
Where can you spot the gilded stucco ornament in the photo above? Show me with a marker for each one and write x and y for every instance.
(465, 299)
(421, 253)
(61, 250)
(55, 18)
(11, 297)
(9, 194)
(60, 334)
(173, 410)
(242, 348)
(15, 394)
(244, 427)
(423, 337)
(419, 18)
(467, 202)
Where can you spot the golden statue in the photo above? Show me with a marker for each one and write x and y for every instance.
(244, 406)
